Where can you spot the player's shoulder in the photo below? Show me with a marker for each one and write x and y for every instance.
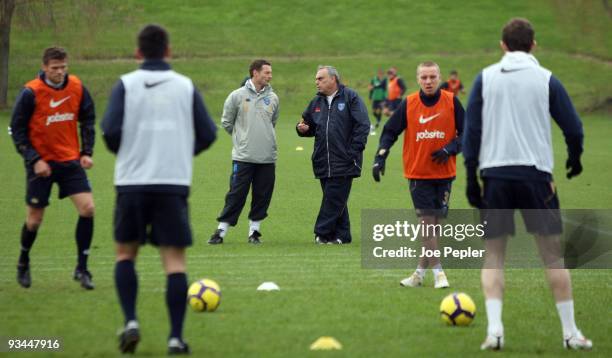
(545, 71)
(181, 77)
(413, 96)
(239, 92)
(446, 93)
(273, 95)
(494, 67)
(350, 93)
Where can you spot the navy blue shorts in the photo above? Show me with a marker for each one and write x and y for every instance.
(377, 104)
(160, 219)
(430, 196)
(392, 105)
(69, 176)
(537, 200)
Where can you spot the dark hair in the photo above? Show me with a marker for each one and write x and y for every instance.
(153, 41)
(54, 53)
(518, 35)
(257, 66)
(454, 72)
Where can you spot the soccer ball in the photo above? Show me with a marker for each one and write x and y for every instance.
(457, 309)
(204, 295)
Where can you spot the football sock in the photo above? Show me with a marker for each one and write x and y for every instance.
(126, 282)
(494, 317)
(27, 240)
(253, 226)
(223, 226)
(566, 313)
(84, 234)
(132, 325)
(421, 272)
(176, 300)
(437, 269)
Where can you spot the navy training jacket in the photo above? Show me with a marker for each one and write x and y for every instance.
(341, 132)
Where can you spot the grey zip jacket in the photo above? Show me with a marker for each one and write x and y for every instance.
(250, 118)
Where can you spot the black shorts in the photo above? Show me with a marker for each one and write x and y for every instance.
(537, 200)
(431, 196)
(392, 105)
(377, 104)
(69, 176)
(158, 218)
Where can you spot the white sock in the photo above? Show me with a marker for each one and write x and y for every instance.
(566, 314)
(494, 317)
(253, 226)
(437, 269)
(131, 324)
(223, 227)
(421, 272)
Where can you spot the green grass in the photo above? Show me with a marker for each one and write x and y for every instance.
(324, 291)
(304, 28)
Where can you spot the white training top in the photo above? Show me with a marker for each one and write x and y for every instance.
(516, 127)
(157, 141)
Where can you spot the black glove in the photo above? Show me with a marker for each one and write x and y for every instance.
(378, 168)
(440, 156)
(473, 192)
(574, 167)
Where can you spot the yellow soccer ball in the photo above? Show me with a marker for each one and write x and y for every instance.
(457, 309)
(204, 295)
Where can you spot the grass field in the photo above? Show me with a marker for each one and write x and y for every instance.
(324, 291)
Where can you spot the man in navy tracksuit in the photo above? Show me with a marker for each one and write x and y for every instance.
(338, 119)
(156, 121)
(507, 137)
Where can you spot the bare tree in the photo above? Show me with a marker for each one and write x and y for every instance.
(6, 15)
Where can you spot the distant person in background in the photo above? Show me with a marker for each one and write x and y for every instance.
(508, 138)
(338, 119)
(377, 94)
(453, 84)
(249, 116)
(44, 129)
(396, 87)
(156, 121)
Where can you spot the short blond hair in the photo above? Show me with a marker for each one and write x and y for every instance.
(427, 64)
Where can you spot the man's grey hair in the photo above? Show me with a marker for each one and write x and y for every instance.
(331, 70)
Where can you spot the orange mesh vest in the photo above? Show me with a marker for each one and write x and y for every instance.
(454, 86)
(393, 89)
(427, 130)
(53, 125)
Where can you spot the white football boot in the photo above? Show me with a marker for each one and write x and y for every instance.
(577, 341)
(492, 343)
(413, 281)
(440, 281)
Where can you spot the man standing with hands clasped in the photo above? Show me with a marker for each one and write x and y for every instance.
(338, 119)
(249, 115)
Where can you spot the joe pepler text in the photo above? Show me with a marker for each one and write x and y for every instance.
(409, 252)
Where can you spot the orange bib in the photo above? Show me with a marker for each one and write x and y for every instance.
(454, 86)
(393, 89)
(428, 129)
(53, 125)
